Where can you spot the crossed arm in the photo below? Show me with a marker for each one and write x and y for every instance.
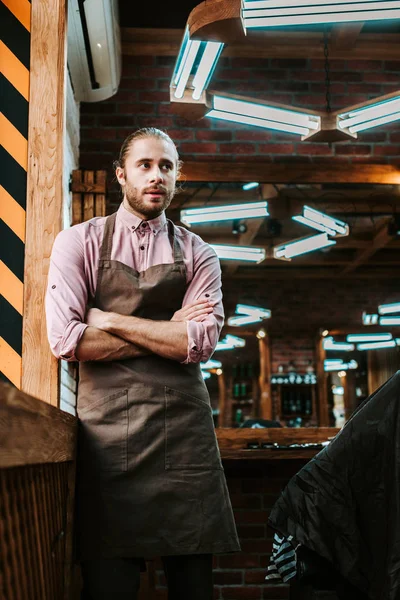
(111, 336)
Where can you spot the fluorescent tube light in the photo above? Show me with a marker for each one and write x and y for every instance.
(286, 12)
(211, 364)
(190, 57)
(370, 319)
(205, 214)
(230, 342)
(388, 309)
(322, 222)
(369, 337)
(329, 344)
(206, 374)
(262, 115)
(298, 247)
(247, 253)
(243, 320)
(338, 390)
(386, 321)
(371, 115)
(206, 67)
(376, 345)
(249, 186)
(245, 309)
(352, 364)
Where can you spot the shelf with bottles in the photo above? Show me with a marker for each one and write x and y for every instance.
(244, 392)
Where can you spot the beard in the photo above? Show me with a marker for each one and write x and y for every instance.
(150, 210)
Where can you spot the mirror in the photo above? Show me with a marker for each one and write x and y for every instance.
(281, 376)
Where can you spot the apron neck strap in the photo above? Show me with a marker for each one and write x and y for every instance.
(178, 255)
(105, 252)
(106, 247)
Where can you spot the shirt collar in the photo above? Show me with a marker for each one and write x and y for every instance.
(133, 222)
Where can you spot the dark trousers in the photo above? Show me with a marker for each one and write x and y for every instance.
(188, 576)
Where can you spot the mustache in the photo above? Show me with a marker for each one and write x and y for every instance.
(158, 189)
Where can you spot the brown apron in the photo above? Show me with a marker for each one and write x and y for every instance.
(150, 478)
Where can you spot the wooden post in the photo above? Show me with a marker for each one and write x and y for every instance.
(222, 403)
(88, 195)
(40, 373)
(265, 378)
(322, 411)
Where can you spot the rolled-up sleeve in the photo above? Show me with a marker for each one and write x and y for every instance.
(66, 295)
(203, 336)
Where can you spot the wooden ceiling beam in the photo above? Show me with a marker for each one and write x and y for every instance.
(345, 36)
(213, 170)
(381, 239)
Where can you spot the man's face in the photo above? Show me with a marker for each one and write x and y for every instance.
(149, 177)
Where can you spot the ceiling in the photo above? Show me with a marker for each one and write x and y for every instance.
(145, 14)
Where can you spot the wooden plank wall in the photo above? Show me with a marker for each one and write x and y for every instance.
(37, 482)
(88, 195)
(15, 18)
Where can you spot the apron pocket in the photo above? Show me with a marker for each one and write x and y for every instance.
(190, 440)
(104, 433)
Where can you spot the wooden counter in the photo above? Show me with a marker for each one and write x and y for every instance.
(233, 442)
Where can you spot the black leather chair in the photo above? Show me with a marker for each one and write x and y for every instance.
(317, 580)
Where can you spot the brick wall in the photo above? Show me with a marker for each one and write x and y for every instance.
(143, 100)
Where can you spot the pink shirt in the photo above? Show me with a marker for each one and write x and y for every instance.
(140, 245)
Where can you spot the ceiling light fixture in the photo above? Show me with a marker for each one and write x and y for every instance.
(246, 309)
(188, 64)
(387, 321)
(206, 374)
(262, 14)
(297, 247)
(370, 114)
(376, 345)
(246, 253)
(250, 210)
(267, 115)
(211, 364)
(388, 309)
(352, 364)
(322, 222)
(370, 319)
(369, 337)
(249, 186)
(230, 342)
(243, 320)
(329, 344)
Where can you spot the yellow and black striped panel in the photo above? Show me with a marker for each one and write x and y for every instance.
(15, 18)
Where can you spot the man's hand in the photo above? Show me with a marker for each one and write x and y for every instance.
(197, 311)
(97, 318)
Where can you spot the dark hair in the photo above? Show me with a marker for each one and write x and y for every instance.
(144, 132)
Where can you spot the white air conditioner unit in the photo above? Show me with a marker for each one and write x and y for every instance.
(94, 49)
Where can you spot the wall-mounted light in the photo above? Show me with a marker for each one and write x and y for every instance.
(368, 337)
(262, 14)
(322, 222)
(294, 248)
(246, 253)
(261, 334)
(219, 371)
(376, 345)
(325, 333)
(263, 115)
(206, 214)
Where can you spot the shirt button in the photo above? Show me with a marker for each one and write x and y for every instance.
(142, 247)
(144, 225)
(133, 228)
(53, 287)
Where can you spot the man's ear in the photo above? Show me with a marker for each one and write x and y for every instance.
(119, 172)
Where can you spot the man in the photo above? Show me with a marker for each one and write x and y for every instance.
(150, 479)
